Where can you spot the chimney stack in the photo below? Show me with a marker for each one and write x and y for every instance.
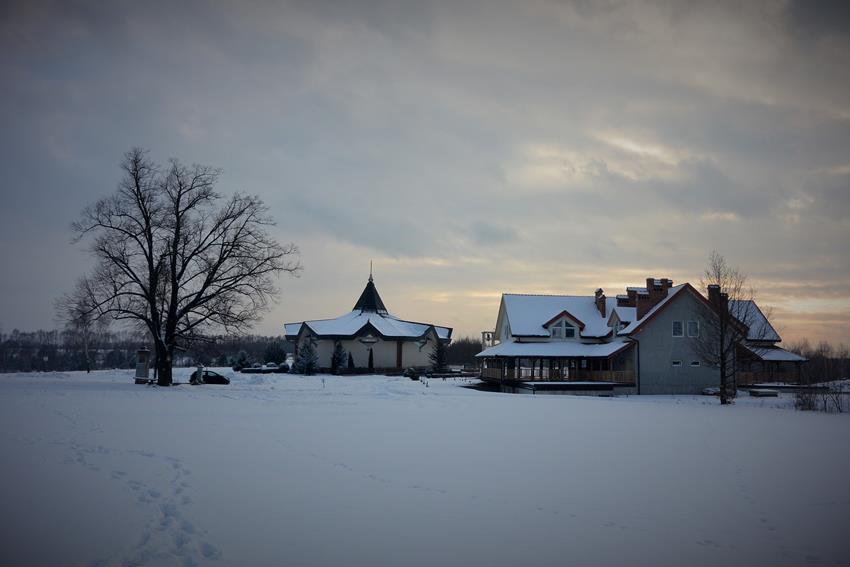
(656, 291)
(600, 301)
(719, 300)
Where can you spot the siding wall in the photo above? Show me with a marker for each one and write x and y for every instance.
(384, 353)
(658, 350)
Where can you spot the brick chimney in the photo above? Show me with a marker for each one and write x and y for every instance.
(600, 301)
(719, 300)
(656, 291)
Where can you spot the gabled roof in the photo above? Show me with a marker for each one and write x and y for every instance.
(560, 316)
(637, 325)
(528, 315)
(628, 314)
(760, 328)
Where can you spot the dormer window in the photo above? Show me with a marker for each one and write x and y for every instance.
(562, 330)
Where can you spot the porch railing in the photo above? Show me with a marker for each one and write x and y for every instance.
(534, 374)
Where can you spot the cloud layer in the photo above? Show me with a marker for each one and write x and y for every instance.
(468, 148)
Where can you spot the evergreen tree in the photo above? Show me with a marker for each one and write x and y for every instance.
(275, 352)
(338, 357)
(438, 356)
(307, 361)
(350, 362)
(371, 361)
(242, 359)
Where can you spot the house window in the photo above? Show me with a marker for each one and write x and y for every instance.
(693, 328)
(695, 363)
(562, 330)
(678, 329)
(677, 363)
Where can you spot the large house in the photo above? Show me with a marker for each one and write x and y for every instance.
(373, 338)
(650, 340)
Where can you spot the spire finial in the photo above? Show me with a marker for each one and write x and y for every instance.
(370, 270)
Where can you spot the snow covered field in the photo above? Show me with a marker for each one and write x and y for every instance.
(279, 470)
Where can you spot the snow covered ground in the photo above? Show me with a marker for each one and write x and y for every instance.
(279, 470)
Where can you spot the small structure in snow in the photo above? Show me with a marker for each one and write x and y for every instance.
(373, 338)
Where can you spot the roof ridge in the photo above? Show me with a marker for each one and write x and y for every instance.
(548, 295)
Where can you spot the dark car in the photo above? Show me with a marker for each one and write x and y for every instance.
(210, 377)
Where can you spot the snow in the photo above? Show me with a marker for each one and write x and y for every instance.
(528, 313)
(350, 323)
(774, 353)
(292, 470)
(628, 314)
(760, 328)
(671, 293)
(554, 349)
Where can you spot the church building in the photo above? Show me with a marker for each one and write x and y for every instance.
(372, 337)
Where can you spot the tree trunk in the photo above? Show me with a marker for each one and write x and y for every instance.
(163, 364)
(86, 353)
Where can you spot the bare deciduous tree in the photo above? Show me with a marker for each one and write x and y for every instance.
(177, 258)
(79, 313)
(734, 313)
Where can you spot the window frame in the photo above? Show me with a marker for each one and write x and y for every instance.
(681, 329)
(695, 364)
(695, 322)
(562, 330)
(677, 364)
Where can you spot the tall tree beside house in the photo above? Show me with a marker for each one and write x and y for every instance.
(724, 331)
(307, 359)
(439, 356)
(179, 259)
(338, 357)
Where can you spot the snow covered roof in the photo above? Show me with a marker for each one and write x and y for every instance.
(774, 354)
(760, 328)
(671, 293)
(527, 314)
(626, 313)
(351, 323)
(554, 349)
(369, 314)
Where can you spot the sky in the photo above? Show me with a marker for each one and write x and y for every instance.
(466, 148)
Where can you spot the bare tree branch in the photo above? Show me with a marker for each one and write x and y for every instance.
(177, 258)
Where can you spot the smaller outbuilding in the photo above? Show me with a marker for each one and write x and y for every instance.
(372, 337)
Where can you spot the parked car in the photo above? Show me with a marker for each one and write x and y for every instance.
(210, 377)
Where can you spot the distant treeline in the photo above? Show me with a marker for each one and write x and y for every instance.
(463, 351)
(826, 362)
(49, 351)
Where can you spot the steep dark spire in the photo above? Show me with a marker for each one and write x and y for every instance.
(370, 300)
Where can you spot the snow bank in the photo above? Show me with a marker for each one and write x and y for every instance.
(279, 470)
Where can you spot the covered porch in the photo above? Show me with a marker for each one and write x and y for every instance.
(559, 362)
(555, 369)
(768, 364)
